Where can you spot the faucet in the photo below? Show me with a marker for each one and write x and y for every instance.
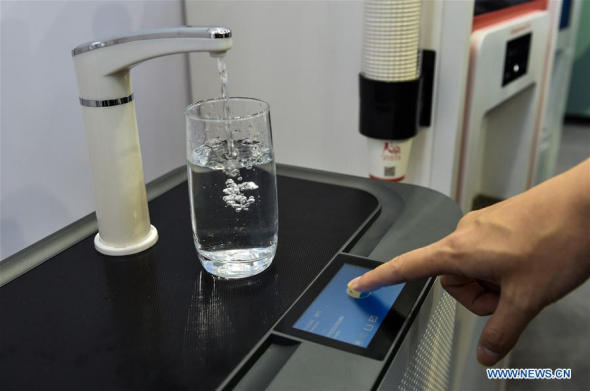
(102, 68)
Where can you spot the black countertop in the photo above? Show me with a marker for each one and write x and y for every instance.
(157, 320)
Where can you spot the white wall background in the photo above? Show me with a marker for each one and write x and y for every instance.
(44, 169)
(303, 57)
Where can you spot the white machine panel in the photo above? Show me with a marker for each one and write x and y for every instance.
(499, 130)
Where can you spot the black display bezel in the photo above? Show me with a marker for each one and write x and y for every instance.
(389, 329)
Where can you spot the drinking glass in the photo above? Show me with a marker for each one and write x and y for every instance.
(232, 185)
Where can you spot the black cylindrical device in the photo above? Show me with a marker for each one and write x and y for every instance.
(389, 84)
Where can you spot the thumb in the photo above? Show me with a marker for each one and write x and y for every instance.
(502, 331)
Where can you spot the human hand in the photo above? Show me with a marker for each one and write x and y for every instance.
(510, 260)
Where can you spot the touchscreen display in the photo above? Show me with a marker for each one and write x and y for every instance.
(334, 314)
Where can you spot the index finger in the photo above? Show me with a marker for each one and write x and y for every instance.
(424, 262)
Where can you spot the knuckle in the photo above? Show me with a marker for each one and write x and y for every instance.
(396, 268)
(525, 305)
(454, 247)
(446, 282)
(454, 241)
(468, 218)
(497, 340)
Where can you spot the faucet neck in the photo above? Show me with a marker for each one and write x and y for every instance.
(103, 66)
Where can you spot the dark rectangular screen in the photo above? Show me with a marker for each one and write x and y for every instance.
(485, 6)
(516, 63)
(336, 315)
(566, 13)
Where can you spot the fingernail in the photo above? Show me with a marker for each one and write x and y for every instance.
(489, 352)
(353, 283)
(491, 356)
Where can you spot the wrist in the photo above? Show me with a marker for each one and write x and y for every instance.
(579, 178)
(578, 188)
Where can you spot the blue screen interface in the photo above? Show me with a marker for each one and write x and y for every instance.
(336, 315)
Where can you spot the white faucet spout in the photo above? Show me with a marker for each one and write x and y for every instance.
(107, 103)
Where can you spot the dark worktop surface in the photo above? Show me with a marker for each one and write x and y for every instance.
(156, 320)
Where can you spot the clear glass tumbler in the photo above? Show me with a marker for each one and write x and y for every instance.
(232, 185)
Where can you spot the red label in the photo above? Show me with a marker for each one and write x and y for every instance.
(520, 29)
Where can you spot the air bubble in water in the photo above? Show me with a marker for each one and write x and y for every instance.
(234, 196)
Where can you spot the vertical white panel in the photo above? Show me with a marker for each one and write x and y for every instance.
(451, 86)
(558, 82)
